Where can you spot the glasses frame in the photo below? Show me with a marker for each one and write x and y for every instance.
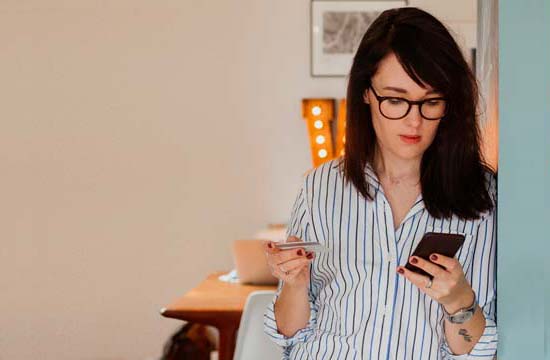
(410, 103)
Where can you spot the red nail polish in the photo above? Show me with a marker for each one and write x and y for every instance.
(270, 245)
(414, 261)
(300, 252)
(401, 271)
(309, 256)
(433, 257)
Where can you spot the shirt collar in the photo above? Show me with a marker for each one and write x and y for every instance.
(372, 178)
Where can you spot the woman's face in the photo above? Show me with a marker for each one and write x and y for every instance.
(392, 80)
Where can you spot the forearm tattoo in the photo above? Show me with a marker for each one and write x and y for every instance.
(464, 333)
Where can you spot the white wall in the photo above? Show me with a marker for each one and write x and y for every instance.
(138, 139)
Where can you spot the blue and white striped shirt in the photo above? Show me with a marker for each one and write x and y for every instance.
(360, 307)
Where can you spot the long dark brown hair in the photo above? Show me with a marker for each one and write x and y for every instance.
(453, 179)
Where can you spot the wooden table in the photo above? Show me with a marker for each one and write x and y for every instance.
(215, 303)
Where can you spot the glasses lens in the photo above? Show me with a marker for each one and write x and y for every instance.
(394, 108)
(433, 109)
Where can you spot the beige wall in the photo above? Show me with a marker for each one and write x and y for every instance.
(138, 139)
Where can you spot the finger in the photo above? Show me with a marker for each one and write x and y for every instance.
(419, 280)
(282, 256)
(289, 274)
(285, 255)
(427, 266)
(279, 274)
(297, 270)
(449, 263)
(293, 239)
(270, 247)
(293, 264)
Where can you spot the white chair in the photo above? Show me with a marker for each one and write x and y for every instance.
(252, 342)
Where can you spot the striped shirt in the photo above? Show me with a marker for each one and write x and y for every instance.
(360, 307)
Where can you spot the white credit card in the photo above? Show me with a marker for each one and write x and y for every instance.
(306, 245)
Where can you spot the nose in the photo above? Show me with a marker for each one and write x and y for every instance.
(414, 118)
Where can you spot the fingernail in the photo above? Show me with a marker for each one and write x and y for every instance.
(300, 252)
(309, 256)
(414, 261)
(433, 257)
(401, 271)
(270, 245)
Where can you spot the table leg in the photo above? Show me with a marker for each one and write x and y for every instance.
(228, 337)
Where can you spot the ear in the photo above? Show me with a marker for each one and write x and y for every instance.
(366, 97)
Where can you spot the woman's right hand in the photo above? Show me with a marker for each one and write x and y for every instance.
(290, 266)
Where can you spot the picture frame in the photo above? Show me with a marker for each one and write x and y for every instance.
(331, 52)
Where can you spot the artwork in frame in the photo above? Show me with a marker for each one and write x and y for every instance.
(337, 28)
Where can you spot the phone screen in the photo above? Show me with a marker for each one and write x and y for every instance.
(432, 242)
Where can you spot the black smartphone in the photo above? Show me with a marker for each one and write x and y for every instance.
(432, 242)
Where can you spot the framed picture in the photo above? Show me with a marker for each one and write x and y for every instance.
(337, 28)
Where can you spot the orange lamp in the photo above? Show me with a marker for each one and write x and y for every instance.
(318, 114)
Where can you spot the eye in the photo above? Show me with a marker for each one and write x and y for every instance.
(395, 101)
(434, 102)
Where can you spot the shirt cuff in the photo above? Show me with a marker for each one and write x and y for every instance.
(270, 326)
(486, 347)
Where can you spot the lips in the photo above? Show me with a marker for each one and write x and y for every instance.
(412, 136)
(407, 139)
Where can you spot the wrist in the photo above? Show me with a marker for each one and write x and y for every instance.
(462, 302)
(295, 288)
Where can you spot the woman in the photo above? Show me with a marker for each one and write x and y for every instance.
(412, 165)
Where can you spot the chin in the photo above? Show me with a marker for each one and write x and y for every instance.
(410, 154)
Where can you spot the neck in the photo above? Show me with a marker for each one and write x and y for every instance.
(395, 170)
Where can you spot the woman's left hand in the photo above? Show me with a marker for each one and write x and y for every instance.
(449, 285)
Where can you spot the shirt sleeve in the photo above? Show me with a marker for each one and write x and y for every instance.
(299, 226)
(482, 277)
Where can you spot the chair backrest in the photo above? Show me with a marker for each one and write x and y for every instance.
(252, 342)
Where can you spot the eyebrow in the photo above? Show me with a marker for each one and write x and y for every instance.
(403, 91)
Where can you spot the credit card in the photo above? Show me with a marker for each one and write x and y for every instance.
(306, 245)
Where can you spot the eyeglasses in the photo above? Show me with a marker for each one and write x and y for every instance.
(395, 108)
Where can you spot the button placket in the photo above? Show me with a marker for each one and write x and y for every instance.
(390, 233)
